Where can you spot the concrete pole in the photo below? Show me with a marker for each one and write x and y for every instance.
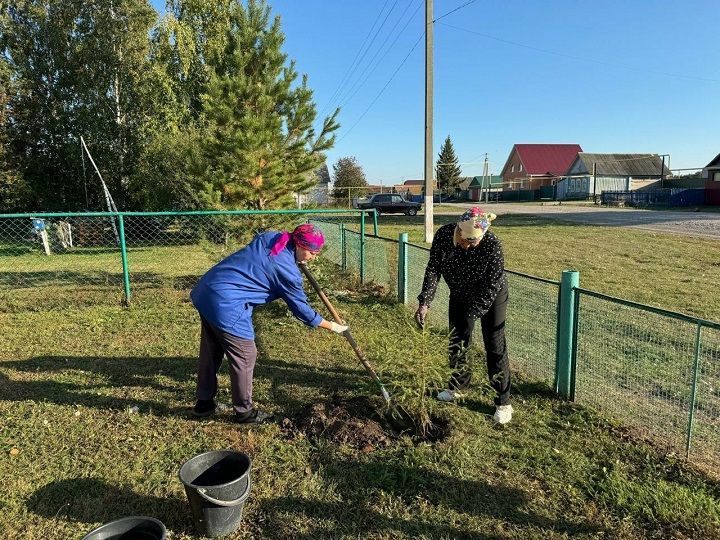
(429, 229)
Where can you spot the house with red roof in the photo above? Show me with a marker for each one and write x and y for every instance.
(711, 172)
(532, 166)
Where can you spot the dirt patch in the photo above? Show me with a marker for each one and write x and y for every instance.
(355, 422)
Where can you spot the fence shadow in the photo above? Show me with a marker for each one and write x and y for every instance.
(91, 500)
(363, 480)
(175, 395)
(114, 372)
(60, 278)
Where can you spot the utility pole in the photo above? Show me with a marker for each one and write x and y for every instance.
(594, 182)
(486, 175)
(429, 229)
(662, 169)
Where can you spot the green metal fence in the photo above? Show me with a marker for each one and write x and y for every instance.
(102, 258)
(655, 371)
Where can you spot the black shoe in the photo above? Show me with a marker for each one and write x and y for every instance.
(254, 417)
(204, 407)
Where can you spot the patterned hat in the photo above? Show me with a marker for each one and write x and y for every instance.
(306, 236)
(474, 223)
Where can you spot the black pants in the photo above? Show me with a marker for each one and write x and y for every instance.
(493, 332)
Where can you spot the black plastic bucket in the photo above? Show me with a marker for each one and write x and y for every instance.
(217, 485)
(129, 528)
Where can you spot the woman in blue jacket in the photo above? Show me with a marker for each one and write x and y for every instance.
(264, 270)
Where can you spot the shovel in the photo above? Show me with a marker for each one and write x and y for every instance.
(398, 417)
(346, 333)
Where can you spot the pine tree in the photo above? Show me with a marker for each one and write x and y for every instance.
(447, 169)
(348, 174)
(260, 146)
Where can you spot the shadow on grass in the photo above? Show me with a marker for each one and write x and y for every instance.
(90, 500)
(94, 277)
(443, 492)
(57, 385)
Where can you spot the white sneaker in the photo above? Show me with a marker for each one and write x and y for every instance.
(503, 414)
(449, 395)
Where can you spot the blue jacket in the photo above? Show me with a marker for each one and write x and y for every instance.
(226, 295)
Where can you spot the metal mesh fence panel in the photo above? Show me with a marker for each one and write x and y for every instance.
(417, 261)
(381, 261)
(705, 430)
(352, 251)
(57, 262)
(532, 326)
(333, 240)
(637, 367)
(75, 260)
(531, 318)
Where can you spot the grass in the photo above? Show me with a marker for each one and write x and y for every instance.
(73, 364)
(74, 455)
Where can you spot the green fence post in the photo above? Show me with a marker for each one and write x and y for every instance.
(123, 256)
(343, 252)
(362, 247)
(402, 284)
(693, 395)
(375, 222)
(566, 334)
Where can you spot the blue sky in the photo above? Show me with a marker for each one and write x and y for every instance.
(614, 76)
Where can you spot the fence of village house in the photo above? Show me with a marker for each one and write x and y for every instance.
(653, 370)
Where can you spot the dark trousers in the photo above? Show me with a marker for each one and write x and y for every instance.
(493, 333)
(241, 353)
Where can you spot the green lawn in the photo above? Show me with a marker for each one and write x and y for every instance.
(75, 456)
(73, 363)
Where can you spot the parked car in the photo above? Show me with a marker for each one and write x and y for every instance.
(390, 203)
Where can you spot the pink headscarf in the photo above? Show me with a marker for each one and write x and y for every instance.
(306, 236)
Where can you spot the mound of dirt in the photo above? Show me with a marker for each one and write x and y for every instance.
(353, 422)
(357, 423)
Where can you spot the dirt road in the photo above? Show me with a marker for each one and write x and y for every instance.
(697, 224)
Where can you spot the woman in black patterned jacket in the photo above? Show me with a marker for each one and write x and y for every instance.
(470, 259)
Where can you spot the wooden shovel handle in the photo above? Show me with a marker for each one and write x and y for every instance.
(346, 333)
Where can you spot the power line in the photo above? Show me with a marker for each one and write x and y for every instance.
(357, 54)
(582, 59)
(454, 10)
(367, 49)
(383, 88)
(357, 88)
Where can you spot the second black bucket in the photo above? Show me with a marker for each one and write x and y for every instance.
(129, 528)
(217, 485)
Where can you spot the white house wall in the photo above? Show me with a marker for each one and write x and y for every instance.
(581, 187)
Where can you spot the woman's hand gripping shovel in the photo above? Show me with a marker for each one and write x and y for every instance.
(398, 418)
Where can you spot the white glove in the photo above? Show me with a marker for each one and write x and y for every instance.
(338, 328)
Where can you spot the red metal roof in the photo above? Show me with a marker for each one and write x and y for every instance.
(547, 158)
